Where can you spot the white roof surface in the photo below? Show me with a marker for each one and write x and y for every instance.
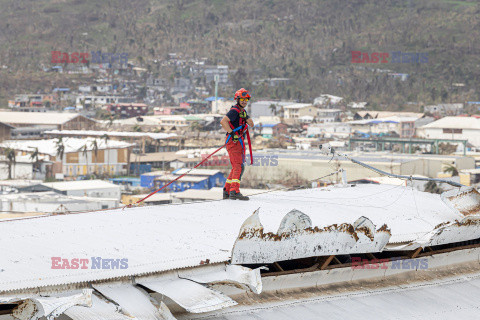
(197, 172)
(298, 106)
(455, 123)
(159, 196)
(156, 136)
(212, 194)
(187, 178)
(45, 118)
(80, 185)
(453, 298)
(325, 97)
(166, 237)
(386, 119)
(49, 146)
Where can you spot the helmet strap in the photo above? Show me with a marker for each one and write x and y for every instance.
(238, 103)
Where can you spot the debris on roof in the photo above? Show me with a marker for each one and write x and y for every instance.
(298, 238)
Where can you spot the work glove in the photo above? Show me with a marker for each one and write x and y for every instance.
(234, 136)
(243, 114)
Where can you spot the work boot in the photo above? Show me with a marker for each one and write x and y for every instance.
(226, 194)
(237, 196)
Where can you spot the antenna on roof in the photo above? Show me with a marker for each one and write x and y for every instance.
(327, 149)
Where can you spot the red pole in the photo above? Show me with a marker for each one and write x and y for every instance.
(151, 194)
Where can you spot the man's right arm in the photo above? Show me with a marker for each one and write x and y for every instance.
(224, 122)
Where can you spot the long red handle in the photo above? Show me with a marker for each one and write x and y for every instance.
(151, 194)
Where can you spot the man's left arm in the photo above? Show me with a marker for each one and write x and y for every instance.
(250, 122)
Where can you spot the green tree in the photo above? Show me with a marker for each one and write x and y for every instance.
(105, 138)
(432, 187)
(450, 168)
(11, 160)
(84, 150)
(60, 148)
(34, 158)
(273, 109)
(94, 146)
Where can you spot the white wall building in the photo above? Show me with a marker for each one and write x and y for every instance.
(461, 128)
(222, 106)
(327, 100)
(80, 156)
(293, 112)
(263, 108)
(86, 188)
(52, 202)
(21, 169)
(337, 129)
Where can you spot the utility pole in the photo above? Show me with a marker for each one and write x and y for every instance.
(216, 78)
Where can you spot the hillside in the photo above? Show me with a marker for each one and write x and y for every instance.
(308, 41)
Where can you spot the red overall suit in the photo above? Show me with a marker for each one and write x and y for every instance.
(236, 151)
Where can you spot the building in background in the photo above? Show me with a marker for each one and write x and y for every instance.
(75, 157)
(461, 128)
(48, 120)
(293, 112)
(128, 110)
(267, 108)
(270, 130)
(85, 188)
(197, 179)
(446, 109)
(5, 131)
(53, 203)
(327, 101)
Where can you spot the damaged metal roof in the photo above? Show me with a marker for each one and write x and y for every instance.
(453, 298)
(138, 260)
(287, 225)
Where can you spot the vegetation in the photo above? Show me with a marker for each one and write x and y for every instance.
(309, 42)
(450, 168)
(11, 160)
(432, 187)
(60, 149)
(36, 165)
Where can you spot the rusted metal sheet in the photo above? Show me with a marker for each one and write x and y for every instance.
(226, 274)
(466, 201)
(191, 296)
(35, 307)
(134, 301)
(466, 229)
(26, 310)
(297, 238)
(101, 309)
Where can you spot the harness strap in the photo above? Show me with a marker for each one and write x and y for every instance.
(243, 128)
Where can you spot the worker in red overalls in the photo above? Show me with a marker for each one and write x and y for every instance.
(236, 124)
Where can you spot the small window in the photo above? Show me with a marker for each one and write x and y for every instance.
(452, 131)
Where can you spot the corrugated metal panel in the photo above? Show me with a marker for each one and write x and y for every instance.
(455, 298)
(297, 238)
(191, 296)
(100, 310)
(160, 238)
(134, 301)
(458, 231)
(230, 274)
(466, 201)
(35, 307)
